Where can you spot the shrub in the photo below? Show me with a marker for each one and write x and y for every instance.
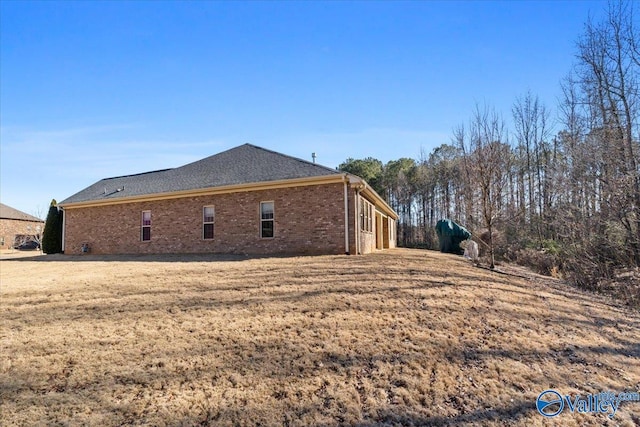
(542, 262)
(52, 235)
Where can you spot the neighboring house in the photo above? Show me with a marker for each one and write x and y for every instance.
(247, 200)
(17, 227)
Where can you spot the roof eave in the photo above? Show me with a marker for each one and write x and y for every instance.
(254, 186)
(22, 219)
(366, 189)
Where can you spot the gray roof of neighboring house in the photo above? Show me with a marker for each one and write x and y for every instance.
(7, 212)
(244, 164)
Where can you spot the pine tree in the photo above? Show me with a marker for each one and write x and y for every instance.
(52, 235)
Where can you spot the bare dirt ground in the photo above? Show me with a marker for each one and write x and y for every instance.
(403, 337)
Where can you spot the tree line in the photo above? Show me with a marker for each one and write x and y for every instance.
(559, 191)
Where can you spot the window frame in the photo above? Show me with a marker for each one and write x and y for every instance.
(211, 223)
(367, 214)
(272, 219)
(144, 225)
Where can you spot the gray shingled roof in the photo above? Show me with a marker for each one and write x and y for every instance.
(7, 212)
(240, 165)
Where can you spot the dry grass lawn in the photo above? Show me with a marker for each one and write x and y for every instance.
(403, 337)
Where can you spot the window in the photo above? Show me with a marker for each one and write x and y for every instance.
(266, 219)
(146, 226)
(366, 215)
(208, 218)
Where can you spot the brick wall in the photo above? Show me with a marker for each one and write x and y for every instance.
(308, 220)
(351, 198)
(9, 228)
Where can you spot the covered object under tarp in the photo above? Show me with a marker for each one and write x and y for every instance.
(450, 235)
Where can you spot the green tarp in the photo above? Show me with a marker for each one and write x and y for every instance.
(450, 235)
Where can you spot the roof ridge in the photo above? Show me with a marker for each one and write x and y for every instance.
(137, 174)
(243, 164)
(293, 158)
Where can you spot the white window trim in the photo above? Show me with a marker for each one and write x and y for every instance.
(143, 226)
(272, 219)
(209, 222)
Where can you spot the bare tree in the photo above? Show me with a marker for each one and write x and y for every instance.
(532, 131)
(607, 72)
(488, 159)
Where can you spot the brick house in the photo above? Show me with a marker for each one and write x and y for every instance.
(247, 200)
(17, 226)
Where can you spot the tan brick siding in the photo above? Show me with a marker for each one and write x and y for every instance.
(367, 242)
(9, 228)
(308, 220)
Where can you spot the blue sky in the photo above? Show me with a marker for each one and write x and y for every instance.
(90, 90)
